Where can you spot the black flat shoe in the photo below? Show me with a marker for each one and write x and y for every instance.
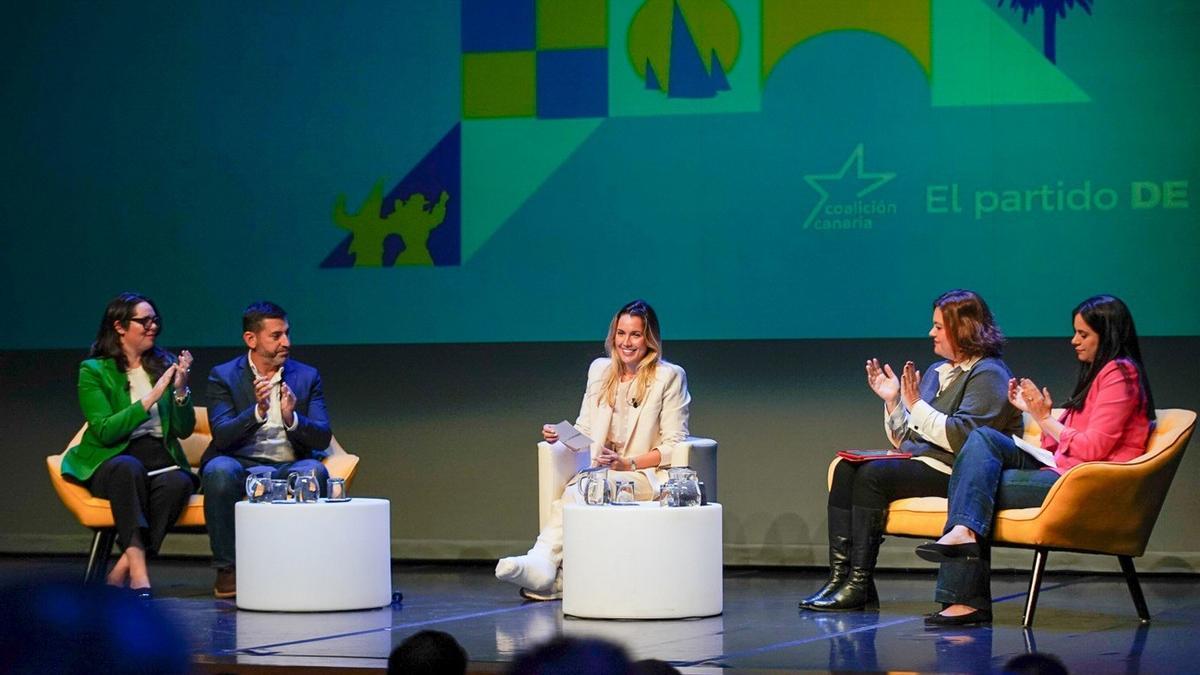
(940, 553)
(142, 594)
(979, 616)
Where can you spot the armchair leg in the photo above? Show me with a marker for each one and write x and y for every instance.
(1035, 585)
(1135, 588)
(102, 543)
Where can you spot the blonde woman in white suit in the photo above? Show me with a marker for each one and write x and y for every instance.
(636, 410)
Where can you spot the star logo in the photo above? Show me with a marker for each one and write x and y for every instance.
(871, 181)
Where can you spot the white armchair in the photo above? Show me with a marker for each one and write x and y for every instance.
(556, 468)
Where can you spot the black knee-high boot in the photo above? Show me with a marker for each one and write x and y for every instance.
(839, 555)
(858, 591)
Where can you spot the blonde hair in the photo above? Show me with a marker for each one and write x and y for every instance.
(647, 368)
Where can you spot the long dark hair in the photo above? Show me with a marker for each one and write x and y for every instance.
(108, 341)
(969, 324)
(1113, 324)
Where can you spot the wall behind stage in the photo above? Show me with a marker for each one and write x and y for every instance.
(430, 172)
(447, 433)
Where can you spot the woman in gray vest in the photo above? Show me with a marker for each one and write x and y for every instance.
(928, 417)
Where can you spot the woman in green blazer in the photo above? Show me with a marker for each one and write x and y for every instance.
(137, 404)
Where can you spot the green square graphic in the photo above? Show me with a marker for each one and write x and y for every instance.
(499, 84)
(571, 24)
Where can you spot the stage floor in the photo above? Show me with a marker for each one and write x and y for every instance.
(1088, 621)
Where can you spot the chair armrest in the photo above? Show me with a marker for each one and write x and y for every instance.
(1106, 507)
(556, 466)
(339, 463)
(701, 455)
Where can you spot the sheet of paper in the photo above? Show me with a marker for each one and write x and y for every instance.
(569, 436)
(1040, 454)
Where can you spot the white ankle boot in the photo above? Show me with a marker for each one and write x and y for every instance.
(554, 593)
(536, 569)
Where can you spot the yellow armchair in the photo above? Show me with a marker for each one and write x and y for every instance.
(96, 514)
(1106, 508)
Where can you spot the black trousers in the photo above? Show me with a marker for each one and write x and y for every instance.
(144, 507)
(875, 483)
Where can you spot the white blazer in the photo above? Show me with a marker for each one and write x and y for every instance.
(661, 421)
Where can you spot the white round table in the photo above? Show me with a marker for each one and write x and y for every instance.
(675, 553)
(317, 557)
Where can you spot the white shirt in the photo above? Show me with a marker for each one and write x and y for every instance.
(270, 439)
(923, 418)
(139, 386)
(622, 412)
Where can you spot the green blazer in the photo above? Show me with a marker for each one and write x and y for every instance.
(111, 417)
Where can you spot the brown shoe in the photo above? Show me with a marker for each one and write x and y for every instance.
(226, 585)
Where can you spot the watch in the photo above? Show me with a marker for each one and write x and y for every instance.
(632, 464)
(181, 396)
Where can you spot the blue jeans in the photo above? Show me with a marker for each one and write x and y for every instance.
(990, 473)
(223, 484)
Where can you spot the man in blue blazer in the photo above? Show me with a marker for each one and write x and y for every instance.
(267, 415)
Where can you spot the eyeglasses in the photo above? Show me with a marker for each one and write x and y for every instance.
(147, 320)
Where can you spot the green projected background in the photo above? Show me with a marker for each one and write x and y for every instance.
(513, 170)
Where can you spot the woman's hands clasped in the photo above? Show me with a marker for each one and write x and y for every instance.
(608, 457)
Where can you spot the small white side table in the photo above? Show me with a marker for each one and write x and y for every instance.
(317, 557)
(675, 552)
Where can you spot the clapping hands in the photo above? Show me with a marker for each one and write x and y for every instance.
(287, 399)
(287, 404)
(883, 382)
(1026, 397)
(160, 388)
(910, 385)
(183, 367)
(892, 389)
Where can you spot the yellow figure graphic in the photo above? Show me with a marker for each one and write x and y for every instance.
(415, 221)
(411, 219)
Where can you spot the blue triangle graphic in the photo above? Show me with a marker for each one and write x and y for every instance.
(689, 78)
(652, 77)
(720, 83)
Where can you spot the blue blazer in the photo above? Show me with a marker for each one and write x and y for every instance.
(231, 410)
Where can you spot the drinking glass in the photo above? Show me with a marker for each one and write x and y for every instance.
(336, 487)
(279, 491)
(624, 492)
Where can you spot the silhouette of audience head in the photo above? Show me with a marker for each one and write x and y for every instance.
(1035, 664)
(654, 667)
(574, 656)
(430, 652)
(66, 627)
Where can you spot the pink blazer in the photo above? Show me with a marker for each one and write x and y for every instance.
(1111, 427)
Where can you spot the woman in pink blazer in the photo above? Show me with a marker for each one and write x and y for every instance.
(635, 410)
(1108, 418)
